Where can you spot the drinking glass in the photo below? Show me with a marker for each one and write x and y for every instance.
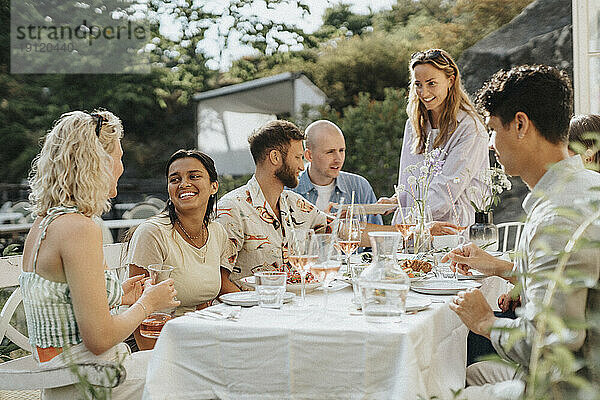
(327, 263)
(348, 232)
(302, 253)
(405, 222)
(355, 272)
(270, 287)
(153, 324)
(122, 272)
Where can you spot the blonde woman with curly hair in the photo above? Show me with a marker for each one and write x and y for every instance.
(442, 116)
(67, 290)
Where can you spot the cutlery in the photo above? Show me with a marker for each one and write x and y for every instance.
(230, 314)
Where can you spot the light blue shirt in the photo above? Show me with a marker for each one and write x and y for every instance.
(345, 183)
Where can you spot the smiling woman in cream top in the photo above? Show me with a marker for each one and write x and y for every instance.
(197, 271)
(185, 237)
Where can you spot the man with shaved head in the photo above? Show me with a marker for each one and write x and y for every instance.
(323, 182)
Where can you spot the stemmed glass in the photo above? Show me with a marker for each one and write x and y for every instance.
(302, 255)
(348, 231)
(154, 323)
(405, 223)
(327, 263)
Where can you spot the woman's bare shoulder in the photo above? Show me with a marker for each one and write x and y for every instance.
(74, 226)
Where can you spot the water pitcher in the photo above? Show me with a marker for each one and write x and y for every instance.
(384, 285)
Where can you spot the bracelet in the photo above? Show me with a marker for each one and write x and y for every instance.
(143, 306)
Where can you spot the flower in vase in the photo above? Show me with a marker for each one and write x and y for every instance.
(496, 182)
(421, 176)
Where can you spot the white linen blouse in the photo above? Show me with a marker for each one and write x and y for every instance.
(466, 155)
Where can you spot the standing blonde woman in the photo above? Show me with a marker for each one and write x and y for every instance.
(67, 290)
(442, 116)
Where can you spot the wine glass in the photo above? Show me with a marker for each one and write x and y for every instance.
(348, 231)
(153, 324)
(302, 255)
(405, 222)
(327, 264)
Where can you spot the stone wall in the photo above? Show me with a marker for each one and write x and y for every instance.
(541, 34)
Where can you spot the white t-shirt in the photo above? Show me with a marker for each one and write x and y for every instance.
(324, 194)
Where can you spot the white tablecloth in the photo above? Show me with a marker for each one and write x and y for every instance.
(296, 354)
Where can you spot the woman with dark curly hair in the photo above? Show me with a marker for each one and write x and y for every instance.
(185, 237)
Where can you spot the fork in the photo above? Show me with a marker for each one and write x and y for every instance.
(231, 314)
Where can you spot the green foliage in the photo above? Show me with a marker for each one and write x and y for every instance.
(340, 16)
(227, 183)
(247, 18)
(159, 103)
(147, 105)
(373, 127)
(369, 64)
(344, 65)
(554, 370)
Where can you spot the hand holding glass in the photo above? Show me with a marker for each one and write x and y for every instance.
(153, 324)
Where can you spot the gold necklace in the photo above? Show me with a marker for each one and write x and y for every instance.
(192, 238)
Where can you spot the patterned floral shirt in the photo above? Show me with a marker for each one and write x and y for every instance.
(258, 235)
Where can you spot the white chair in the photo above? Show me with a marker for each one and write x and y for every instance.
(141, 210)
(509, 234)
(155, 201)
(22, 375)
(107, 237)
(23, 208)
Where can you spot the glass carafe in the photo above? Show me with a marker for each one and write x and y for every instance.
(384, 285)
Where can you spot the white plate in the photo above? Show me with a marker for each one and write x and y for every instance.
(416, 303)
(442, 286)
(290, 287)
(249, 299)
(373, 208)
(475, 275)
(417, 278)
(495, 253)
(297, 287)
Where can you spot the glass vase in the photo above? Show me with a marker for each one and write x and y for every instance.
(483, 232)
(421, 236)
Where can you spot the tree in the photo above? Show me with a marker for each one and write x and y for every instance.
(156, 108)
(373, 124)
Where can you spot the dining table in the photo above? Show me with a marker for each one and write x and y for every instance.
(312, 353)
